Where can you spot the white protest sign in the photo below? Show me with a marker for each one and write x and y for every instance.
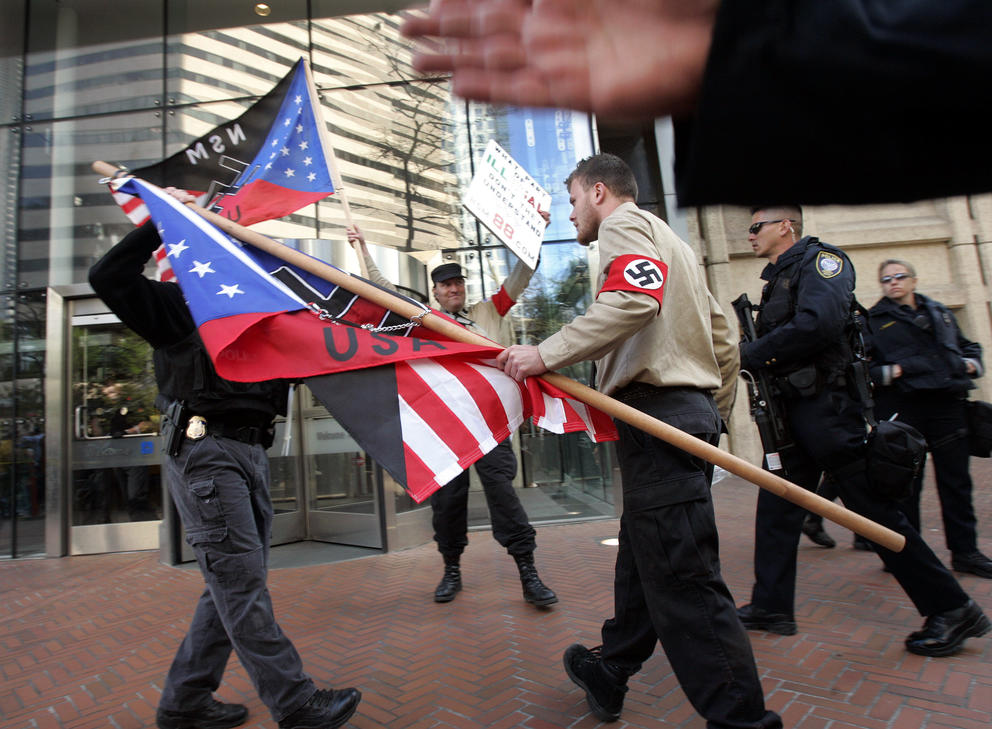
(508, 202)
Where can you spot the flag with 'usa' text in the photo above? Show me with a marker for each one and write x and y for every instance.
(422, 405)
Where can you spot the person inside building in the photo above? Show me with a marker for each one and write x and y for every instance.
(663, 346)
(804, 344)
(217, 473)
(497, 469)
(922, 367)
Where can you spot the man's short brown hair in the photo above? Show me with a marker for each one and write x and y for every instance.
(608, 169)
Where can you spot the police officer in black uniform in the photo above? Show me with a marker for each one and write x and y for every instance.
(217, 472)
(923, 367)
(803, 342)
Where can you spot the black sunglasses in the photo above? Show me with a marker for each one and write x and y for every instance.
(894, 277)
(756, 227)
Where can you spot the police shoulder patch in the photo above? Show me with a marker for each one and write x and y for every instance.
(828, 264)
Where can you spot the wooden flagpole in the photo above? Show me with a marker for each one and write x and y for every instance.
(332, 162)
(738, 466)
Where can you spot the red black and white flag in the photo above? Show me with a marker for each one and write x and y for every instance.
(269, 162)
(424, 406)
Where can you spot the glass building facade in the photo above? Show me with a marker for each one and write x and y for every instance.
(130, 84)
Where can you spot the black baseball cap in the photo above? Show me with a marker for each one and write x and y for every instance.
(446, 271)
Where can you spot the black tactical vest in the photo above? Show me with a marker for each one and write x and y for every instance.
(779, 304)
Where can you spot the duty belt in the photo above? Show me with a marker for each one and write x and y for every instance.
(640, 390)
(199, 427)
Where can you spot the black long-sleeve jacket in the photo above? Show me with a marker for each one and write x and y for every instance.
(805, 307)
(158, 313)
(925, 342)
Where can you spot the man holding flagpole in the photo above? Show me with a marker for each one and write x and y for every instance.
(496, 469)
(662, 346)
(217, 472)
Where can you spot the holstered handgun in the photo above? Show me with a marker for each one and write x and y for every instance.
(173, 424)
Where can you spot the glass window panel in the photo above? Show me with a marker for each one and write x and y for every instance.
(232, 63)
(11, 62)
(67, 219)
(22, 424)
(360, 49)
(284, 480)
(548, 143)
(10, 153)
(91, 58)
(115, 449)
(395, 153)
(8, 435)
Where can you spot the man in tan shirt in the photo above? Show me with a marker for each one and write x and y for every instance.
(663, 346)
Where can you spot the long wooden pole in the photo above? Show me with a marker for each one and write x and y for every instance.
(776, 484)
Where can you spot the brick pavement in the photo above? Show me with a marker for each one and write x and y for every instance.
(86, 641)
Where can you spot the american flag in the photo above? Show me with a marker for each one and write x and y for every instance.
(422, 405)
(271, 161)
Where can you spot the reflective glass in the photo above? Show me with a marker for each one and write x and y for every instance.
(10, 153)
(360, 49)
(22, 425)
(67, 219)
(395, 154)
(231, 63)
(88, 57)
(284, 479)
(11, 62)
(340, 476)
(546, 142)
(116, 471)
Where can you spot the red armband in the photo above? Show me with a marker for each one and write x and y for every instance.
(637, 273)
(502, 301)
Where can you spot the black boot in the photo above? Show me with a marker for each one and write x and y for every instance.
(813, 528)
(450, 583)
(535, 591)
(604, 691)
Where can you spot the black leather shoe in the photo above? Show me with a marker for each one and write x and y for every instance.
(535, 591)
(450, 583)
(215, 715)
(862, 544)
(817, 534)
(943, 634)
(974, 563)
(603, 694)
(324, 710)
(756, 618)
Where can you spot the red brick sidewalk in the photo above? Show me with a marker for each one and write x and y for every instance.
(86, 641)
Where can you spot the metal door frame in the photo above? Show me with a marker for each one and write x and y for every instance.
(61, 537)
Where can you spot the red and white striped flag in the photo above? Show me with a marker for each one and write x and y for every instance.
(427, 420)
(422, 405)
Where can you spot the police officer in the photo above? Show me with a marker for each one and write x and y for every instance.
(804, 343)
(923, 367)
(217, 473)
(663, 346)
(496, 469)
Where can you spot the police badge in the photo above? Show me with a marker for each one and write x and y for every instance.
(196, 428)
(828, 264)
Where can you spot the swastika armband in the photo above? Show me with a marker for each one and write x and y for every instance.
(637, 273)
